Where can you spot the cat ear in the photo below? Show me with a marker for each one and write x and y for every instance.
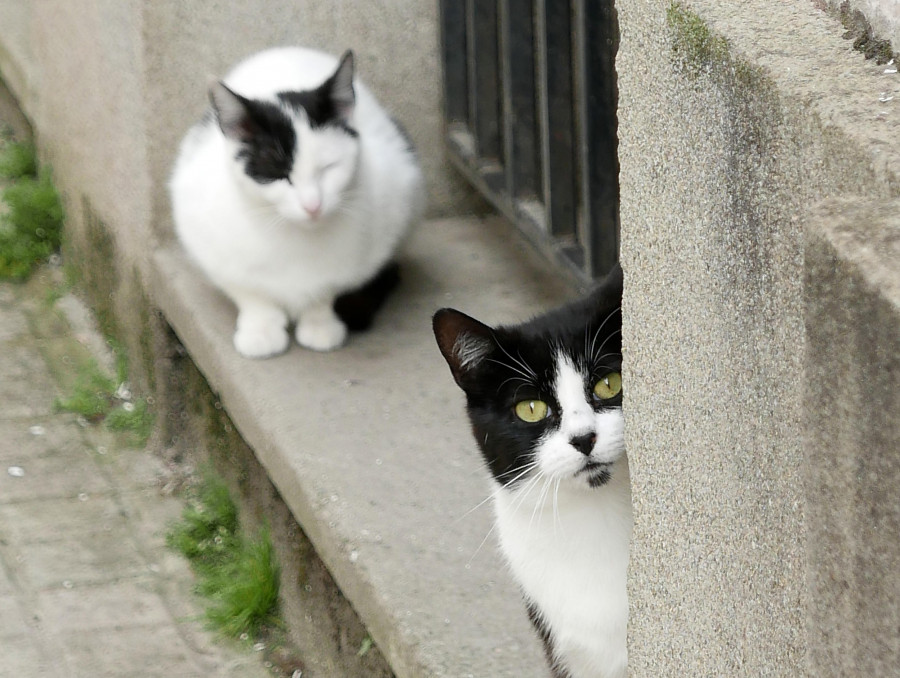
(463, 341)
(340, 87)
(232, 113)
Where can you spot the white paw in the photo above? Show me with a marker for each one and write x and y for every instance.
(321, 335)
(261, 341)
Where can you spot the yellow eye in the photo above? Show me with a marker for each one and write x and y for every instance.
(531, 410)
(609, 386)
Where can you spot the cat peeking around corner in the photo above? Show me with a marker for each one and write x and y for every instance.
(544, 399)
(292, 195)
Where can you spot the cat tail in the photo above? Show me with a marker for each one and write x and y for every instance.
(357, 308)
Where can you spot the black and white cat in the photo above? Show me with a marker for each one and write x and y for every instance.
(295, 188)
(545, 402)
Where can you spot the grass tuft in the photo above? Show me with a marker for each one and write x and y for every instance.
(18, 160)
(92, 394)
(132, 417)
(31, 229)
(244, 590)
(239, 576)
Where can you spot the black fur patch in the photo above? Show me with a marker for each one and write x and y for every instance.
(268, 143)
(357, 308)
(320, 108)
(535, 616)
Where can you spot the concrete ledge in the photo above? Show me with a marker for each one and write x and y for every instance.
(852, 422)
(370, 449)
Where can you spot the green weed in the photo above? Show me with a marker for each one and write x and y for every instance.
(92, 394)
(364, 647)
(239, 576)
(244, 590)
(31, 229)
(133, 417)
(18, 160)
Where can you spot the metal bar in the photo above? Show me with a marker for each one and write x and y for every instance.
(484, 77)
(453, 51)
(556, 106)
(530, 221)
(597, 37)
(521, 146)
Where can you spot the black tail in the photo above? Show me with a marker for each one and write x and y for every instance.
(357, 308)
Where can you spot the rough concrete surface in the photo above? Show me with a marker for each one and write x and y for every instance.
(370, 449)
(87, 586)
(882, 15)
(734, 119)
(852, 297)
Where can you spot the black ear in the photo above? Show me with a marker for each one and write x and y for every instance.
(464, 342)
(614, 280)
(339, 87)
(232, 113)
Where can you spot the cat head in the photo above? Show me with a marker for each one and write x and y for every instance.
(545, 397)
(298, 153)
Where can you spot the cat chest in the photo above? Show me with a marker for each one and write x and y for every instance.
(571, 562)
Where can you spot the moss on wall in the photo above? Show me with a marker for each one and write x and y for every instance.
(698, 50)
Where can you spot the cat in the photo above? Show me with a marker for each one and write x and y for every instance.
(544, 399)
(295, 188)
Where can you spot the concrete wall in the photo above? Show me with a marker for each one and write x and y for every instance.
(735, 120)
(112, 85)
(852, 436)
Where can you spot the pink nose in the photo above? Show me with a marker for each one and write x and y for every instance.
(313, 208)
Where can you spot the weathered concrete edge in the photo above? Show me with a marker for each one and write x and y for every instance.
(172, 289)
(852, 433)
(864, 234)
(819, 78)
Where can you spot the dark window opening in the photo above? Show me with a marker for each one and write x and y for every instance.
(530, 108)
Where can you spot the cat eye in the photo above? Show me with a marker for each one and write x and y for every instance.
(609, 386)
(532, 410)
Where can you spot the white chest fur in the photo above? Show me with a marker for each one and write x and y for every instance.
(567, 545)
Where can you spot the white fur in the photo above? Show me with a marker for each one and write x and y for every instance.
(568, 543)
(283, 251)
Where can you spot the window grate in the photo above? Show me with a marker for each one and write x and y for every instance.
(530, 107)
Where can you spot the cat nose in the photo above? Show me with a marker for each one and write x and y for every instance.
(313, 207)
(584, 443)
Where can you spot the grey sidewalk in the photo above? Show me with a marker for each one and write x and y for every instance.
(87, 586)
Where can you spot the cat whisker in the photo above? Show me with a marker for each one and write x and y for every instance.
(611, 335)
(533, 483)
(525, 382)
(525, 491)
(483, 541)
(527, 377)
(520, 473)
(520, 361)
(556, 518)
(598, 363)
(602, 325)
(539, 505)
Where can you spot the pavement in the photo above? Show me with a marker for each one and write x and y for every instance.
(88, 588)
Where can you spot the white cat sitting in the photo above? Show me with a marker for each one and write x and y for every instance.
(295, 188)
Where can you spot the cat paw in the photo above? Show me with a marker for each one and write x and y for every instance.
(261, 342)
(321, 336)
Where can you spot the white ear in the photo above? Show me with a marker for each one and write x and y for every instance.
(341, 86)
(231, 112)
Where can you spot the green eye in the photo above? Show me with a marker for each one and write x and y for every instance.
(609, 386)
(531, 410)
